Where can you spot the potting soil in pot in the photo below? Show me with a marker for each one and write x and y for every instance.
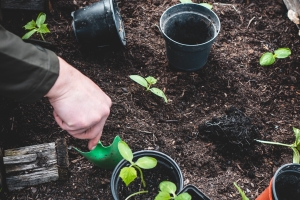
(288, 186)
(152, 178)
(187, 28)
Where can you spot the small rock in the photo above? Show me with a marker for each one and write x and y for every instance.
(33, 190)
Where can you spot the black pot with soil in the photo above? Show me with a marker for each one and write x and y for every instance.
(194, 192)
(165, 170)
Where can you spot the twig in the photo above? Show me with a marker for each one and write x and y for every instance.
(250, 22)
(227, 4)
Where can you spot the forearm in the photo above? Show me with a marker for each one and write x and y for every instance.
(27, 72)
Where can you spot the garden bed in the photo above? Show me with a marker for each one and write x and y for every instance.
(268, 96)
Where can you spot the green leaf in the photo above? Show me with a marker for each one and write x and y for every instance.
(296, 156)
(207, 5)
(168, 186)
(146, 162)
(151, 80)
(297, 136)
(140, 80)
(30, 25)
(125, 151)
(159, 93)
(128, 174)
(282, 52)
(183, 196)
(275, 143)
(163, 196)
(186, 1)
(244, 197)
(40, 19)
(29, 34)
(267, 59)
(43, 29)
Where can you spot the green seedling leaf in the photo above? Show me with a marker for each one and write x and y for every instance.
(267, 59)
(183, 196)
(128, 174)
(297, 136)
(296, 156)
(186, 1)
(125, 151)
(151, 80)
(168, 186)
(244, 197)
(163, 196)
(40, 19)
(159, 93)
(140, 80)
(29, 34)
(282, 52)
(207, 5)
(30, 25)
(43, 29)
(276, 143)
(146, 162)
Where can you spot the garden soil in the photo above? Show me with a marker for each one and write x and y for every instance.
(263, 102)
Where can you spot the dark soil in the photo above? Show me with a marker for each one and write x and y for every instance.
(267, 96)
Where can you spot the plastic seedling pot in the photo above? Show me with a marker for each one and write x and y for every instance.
(194, 192)
(285, 185)
(99, 25)
(166, 169)
(189, 30)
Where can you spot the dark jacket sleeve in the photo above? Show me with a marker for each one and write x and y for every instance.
(27, 72)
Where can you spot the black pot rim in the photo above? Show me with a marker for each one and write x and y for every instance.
(123, 41)
(290, 167)
(189, 45)
(149, 153)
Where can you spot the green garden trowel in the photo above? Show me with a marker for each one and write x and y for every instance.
(106, 157)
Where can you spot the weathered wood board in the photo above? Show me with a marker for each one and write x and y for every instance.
(38, 5)
(36, 164)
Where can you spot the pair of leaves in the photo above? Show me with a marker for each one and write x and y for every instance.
(242, 193)
(36, 26)
(129, 174)
(147, 83)
(269, 58)
(295, 146)
(207, 5)
(167, 188)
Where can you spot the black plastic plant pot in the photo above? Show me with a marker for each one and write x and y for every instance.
(286, 182)
(166, 169)
(189, 30)
(99, 25)
(194, 192)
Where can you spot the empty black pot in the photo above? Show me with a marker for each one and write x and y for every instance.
(166, 165)
(194, 192)
(99, 25)
(189, 31)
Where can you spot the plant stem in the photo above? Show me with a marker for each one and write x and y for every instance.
(276, 143)
(142, 176)
(42, 36)
(136, 193)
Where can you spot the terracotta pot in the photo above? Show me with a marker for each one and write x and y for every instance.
(267, 193)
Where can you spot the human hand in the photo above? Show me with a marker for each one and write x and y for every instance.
(80, 106)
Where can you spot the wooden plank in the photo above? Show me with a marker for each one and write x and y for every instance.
(62, 159)
(29, 149)
(1, 171)
(19, 159)
(38, 5)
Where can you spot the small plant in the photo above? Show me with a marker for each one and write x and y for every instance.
(242, 193)
(147, 83)
(167, 192)
(295, 146)
(36, 26)
(269, 58)
(207, 5)
(129, 174)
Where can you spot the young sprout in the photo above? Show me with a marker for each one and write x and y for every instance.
(147, 83)
(295, 146)
(37, 26)
(242, 193)
(269, 58)
(129, 174)
(207, 5)
(168, 191)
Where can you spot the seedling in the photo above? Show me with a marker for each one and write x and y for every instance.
(295, 146)
(147, 83)
(37, 26)
(207, 5)
(167, 192)
(129, 174)
(269, 58)
(242, 193)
